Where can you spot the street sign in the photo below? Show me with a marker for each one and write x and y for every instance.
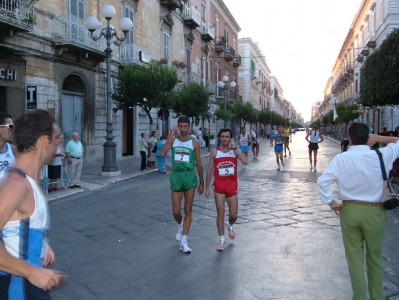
(359, 111)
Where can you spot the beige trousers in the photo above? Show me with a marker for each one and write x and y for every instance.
(74, 170)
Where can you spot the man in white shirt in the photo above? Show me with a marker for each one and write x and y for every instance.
(362, 215)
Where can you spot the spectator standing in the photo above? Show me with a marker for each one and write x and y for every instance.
(384, 132)
(362, 216)
(206, 137)
(152, 142)
(371, 129)
(74, 152)
(143, 151)
(54, 169)
(200, 137)
(168, 159)
(25, 214)
(268, 133)
(7, 151)
(396, 133)
(160, 158)
(272, 134)
(194, 134)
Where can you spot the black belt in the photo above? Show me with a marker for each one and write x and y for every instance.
(74, 157)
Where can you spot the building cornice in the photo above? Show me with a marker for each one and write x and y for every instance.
(222, 8)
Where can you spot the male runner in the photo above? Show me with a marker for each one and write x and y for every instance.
(286, 135)
(223, 162)
(7, 151)
(24, 219)
(183, 180)
(244, 140)
(254, 144)
(314, 137)
(278, 148)
(272, 134)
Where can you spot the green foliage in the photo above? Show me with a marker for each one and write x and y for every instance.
(345, 113)
(244, 112)
(224, 114)
(191, 100)
(379, 73)
(145, 87)
(265, 117)
(328, 118)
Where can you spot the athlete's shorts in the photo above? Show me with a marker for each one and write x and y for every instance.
(181, 181)
(278, 149)
(244, 149)
(287, 139)
(228, 187)
(313, 146)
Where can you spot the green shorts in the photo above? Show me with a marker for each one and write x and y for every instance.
(181, 181)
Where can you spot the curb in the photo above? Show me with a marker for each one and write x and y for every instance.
(69, 193)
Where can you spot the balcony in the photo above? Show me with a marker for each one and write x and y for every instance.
(171, 4)
(220, 45)
(237, 61)
(359, 58)
(365, 52)
(211, 87)
(191, 17)
(16, 15)
(230, 53)
(70, 34)
(208, 32)
(233, 96)
(134, 54)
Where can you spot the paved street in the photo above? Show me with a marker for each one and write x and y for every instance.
(118, 242)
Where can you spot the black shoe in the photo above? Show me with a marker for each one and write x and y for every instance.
(72, 187)
(77, 185)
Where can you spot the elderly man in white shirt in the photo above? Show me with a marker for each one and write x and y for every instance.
(362, 215)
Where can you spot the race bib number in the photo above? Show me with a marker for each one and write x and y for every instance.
(226, 170)
(182, 157)
(244, 143)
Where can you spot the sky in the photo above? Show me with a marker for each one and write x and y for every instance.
(301, 40)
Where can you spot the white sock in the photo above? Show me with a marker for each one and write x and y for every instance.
(222, 237)
(184, 239)
(228, 224)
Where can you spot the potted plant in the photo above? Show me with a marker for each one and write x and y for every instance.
(175, 62)
(163, 61)
(212, 139)
(182, 64)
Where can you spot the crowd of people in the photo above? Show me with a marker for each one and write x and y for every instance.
(37, 141)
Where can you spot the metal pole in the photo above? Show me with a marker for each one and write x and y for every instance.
(109, 146)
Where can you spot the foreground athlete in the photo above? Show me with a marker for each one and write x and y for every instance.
(223, 162)
(183, 180)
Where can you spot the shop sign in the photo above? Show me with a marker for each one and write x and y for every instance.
(31, 98)
(8, 74)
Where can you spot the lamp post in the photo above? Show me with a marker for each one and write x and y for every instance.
(108, 32)
(334, 101)
(223, 84)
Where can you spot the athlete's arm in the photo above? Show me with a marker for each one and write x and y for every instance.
(200, 169)
(169, 142)
(321, 138)
(307, 138)
(209, 172)
(241, 156)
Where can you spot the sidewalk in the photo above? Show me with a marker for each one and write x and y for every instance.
(91, 180)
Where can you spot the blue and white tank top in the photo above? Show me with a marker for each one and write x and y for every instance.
(244, 140)
(7, 159)
(27, 239)
(314, 137)
(278, 140)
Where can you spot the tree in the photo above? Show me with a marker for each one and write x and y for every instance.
(346, 114)
(224, 114)
(243, 112)
(379, 73)
(191, 100)
(147, 88)
(265, 117)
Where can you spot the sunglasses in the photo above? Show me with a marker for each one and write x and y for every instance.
(9, 126)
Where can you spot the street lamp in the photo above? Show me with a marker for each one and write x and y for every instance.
(223, 85)
(108, 32)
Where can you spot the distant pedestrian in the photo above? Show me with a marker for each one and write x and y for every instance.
(161, 159)
(344, 144)
(279, 147)
(24, 222)
(371, 129)
(314, 138)
(7, 150)
(206, 137)
(74, 152)
(243, 140)
(223, 164)
(152, 142)
(384, 132)
(286, 135)
(362, 216)
(201, 137)
(272, 134)
(143, 151)
(268, 134)
(54, 169)
(254, 144)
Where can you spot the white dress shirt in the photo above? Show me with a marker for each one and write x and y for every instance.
(358, 174)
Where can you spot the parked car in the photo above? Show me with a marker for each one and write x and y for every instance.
(293, 130)
(301, 129)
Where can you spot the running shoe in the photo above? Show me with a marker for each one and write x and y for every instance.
(311, 167)
(221, 246)
(184, 247)
(315, 170)
(232, 234)
(283, 164)
(285, 155)
(278, 169)
(179, 233)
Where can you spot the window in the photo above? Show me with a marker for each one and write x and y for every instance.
(128, 12)
(188, 60)
(165, 45)
(210, 73)
(77, 11)
(217, 26)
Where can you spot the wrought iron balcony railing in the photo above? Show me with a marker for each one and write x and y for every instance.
(208, 31)
(18, 13)
(71, 30)
(134, 54)
(191, 16)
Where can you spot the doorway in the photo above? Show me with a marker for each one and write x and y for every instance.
(72, 114)
(128, 140)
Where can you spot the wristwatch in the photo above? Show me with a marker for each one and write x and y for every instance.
(235, 148)
(201, 181)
